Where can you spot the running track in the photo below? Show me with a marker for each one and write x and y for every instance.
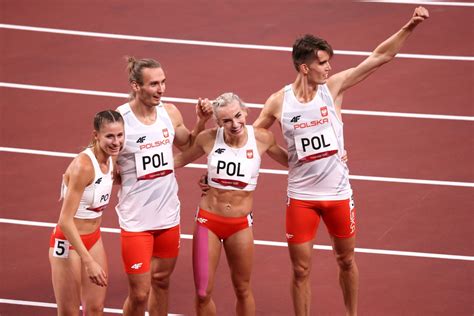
(413, 176)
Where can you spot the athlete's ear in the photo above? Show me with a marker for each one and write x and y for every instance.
(135, 86)
(304, 69)
(245, 110)
(95, 134)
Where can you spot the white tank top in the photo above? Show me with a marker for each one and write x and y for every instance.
(96, 195)
(234, 168)
(314, 135)
(148, 196)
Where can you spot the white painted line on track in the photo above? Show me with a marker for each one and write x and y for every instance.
(212, 44)
(426, 2)
(53, 305)
(274, 243)
(262, 170)
(251, 105)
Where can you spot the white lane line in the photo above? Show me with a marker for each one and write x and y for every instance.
(262, 170)
(425, 2)
(274, 243)
(53, 305)
(251, 105)
(212, 44)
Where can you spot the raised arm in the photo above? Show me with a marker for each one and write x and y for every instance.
(81, 174)
(384, 53)
(183, 137)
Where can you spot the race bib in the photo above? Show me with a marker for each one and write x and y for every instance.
(61, 248)
(314, 146)
(230, 173)
(152, 164)
(103, 190)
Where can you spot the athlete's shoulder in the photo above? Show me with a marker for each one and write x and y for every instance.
(276, 99)
(81, 168)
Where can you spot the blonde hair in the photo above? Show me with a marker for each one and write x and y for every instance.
(226, 99)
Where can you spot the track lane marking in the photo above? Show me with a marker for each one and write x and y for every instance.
(54, 305)
(262, 170)
(274, 243)
(211, 43)
(251, 105)
(425, 2)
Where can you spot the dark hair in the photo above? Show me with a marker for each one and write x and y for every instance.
(306, 47)
(135, 67)
(105, 117)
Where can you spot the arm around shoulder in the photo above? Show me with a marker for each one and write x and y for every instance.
(199, 147)
(270, 146)
(271, 111)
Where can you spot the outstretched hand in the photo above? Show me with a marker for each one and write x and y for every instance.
(204, 109)
(419, 16)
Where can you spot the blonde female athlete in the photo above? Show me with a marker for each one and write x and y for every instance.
(77, 256)
(224, 217)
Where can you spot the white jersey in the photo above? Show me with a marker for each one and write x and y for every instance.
(148, 197)
(234, 168)
(96, 195)
(314, 136)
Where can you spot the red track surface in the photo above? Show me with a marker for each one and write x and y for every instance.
(391, 216)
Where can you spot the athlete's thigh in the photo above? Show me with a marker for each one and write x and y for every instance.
(93, 294)
(339, 217)
(302, 221)
(161, 268)
(137, 248)
(239, 252)
(66, 278)
(206, 253)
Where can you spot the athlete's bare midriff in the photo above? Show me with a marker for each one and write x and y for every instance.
(228, 203)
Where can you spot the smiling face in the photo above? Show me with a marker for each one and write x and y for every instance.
(232, 117)
(150, 92)
(110, 137)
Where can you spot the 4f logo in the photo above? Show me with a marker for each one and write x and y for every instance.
(324, 111)
(220, 150)
(165, 132)
(137, 266)
(98, 180)
(295, 119)
(249, 153)
(141, 139)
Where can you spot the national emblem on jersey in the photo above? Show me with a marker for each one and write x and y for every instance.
(324, 111)
(250, 154)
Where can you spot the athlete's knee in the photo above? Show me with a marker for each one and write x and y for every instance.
(242, 290)
(203, 296)
(96, 308)
(301, 271)
(160, 280)
(139, 295)
(346, 260)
